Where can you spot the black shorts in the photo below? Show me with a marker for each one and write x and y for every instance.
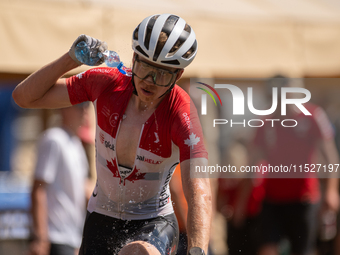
(104, 235)
(61, 249)
(297, 222)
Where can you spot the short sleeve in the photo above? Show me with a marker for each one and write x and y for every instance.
(186, 132)
(88, 85)
(47, 160)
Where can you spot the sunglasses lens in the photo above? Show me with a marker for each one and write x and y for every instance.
(161, 77)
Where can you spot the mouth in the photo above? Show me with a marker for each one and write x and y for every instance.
(147, 92)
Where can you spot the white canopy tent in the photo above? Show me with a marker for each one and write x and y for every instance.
(248, 38)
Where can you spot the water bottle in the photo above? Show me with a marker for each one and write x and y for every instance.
(111, 58)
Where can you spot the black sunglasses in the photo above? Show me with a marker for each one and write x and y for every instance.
(160, 77)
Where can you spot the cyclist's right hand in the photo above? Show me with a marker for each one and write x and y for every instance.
(95, 47)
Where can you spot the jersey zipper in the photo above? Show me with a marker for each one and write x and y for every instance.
(121, 181)
(121, 206)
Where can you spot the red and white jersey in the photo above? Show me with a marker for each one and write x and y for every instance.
(171, 135)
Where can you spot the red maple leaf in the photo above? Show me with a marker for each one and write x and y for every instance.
(113, 168)
(135, 176)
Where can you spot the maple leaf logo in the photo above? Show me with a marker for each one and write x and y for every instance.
(193, 140)
(135, 176)
(112, 166)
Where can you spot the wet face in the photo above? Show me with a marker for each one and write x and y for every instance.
(152, 80)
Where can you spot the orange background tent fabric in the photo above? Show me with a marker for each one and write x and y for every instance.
(235, 38)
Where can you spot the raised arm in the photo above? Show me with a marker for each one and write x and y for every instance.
(45, 88)
(197, 192)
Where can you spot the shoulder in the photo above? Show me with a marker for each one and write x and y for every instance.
(89, 85)
(175, 104)
(319, 120)
(316, 112)
(103, 74)
(180, 94)
(100, 71)
(178, 98)
(312, 108)
(55, 134)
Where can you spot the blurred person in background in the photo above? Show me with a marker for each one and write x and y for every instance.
(242, 214)
(243, 229)
(59, 189)
(329, 234)
(291, 205)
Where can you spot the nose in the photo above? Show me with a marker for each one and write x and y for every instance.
(149, 80)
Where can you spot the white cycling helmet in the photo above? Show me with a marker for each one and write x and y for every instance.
(166, 40)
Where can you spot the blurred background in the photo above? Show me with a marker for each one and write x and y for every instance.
(250, 40)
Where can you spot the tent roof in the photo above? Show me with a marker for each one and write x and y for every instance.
(235, 37)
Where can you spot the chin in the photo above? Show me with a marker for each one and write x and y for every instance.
(148, 99)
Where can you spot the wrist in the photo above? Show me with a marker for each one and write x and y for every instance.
(39, 238)
(73, 60)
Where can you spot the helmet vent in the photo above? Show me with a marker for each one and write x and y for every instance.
(171, 62)
(169, 24)
(148, 32)
(163, 36)
(142, 51)
(191, 51)
(135, 33)
(182, 38)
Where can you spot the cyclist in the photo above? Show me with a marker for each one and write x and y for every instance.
(145, 127)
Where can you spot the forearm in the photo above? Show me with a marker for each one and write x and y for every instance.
(39, 213)
(33, 88)
(331, 195)
(180, 208)
(199, 214)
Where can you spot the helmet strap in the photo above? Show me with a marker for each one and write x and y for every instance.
(133, 84)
